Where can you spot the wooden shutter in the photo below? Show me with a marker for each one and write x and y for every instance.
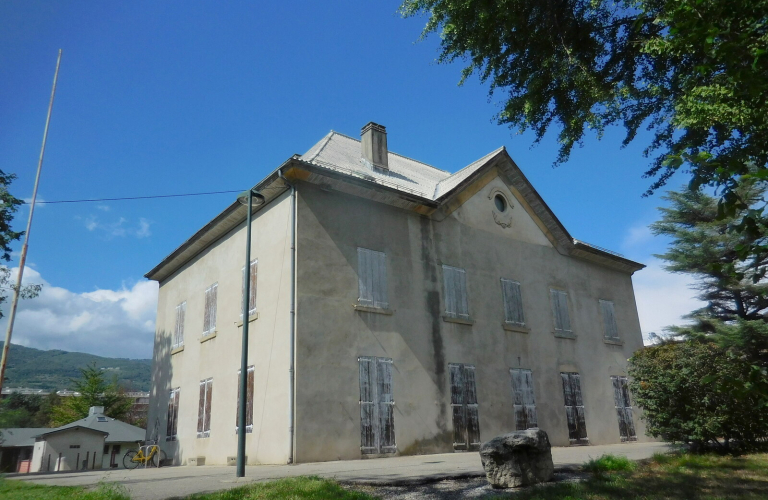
(176, 396)
(169, 423)
(368, 423)
(201, 410)
(524, 401)
(574, 408)
(623, 408)
(209, 320)
(386, 406)
(457, 407)
(560, 310)
(609, 319)
(455, 284)
(473, 420)
(248, 400)
(252, 295)
(513, 302)
(208, 400)
(372, 278)
(178, 333)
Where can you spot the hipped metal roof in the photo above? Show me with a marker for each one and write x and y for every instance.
(336, 162)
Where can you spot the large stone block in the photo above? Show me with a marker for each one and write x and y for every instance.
(518, 459)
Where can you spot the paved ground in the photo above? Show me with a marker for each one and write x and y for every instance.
(171, 482)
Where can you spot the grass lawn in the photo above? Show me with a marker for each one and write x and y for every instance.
(669, 477)
(21, 490)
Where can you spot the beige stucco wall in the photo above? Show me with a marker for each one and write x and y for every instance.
(91, 446)
(331, 334)
(219, 357)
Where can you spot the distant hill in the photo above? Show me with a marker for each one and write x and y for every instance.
(54, 370)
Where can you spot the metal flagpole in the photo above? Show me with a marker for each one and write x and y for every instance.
(22, 260)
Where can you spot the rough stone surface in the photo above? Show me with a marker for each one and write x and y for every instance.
(517, 459)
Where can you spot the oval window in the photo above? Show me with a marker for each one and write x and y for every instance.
(501, 203)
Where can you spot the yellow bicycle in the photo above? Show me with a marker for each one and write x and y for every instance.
(149, 455)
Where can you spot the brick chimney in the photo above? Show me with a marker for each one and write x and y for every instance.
(374, 143)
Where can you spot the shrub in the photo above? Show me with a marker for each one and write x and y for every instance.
(686, 392)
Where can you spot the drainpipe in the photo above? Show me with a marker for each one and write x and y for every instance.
(292, 327)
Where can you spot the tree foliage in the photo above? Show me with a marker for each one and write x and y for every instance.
(9, 205)
(728, 265)
(686, 392)
(693, 72)
(27, 410)
(93, 390)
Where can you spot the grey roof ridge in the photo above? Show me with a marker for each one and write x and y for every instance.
(398, 154)
(327, 140)
(474, 163)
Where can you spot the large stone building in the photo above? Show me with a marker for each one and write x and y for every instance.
(432, 311)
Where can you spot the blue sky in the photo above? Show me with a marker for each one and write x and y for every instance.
(181, 97)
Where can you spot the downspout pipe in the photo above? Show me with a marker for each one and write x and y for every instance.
(292, 329)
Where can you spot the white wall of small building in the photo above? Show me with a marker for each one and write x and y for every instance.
(67, 450)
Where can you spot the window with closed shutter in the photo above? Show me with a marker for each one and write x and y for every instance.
(209, 317)
(623, 408)
(377, 417)
(574, 408)
(455, 285)
(513, 302)
(560, 311)
(178, 330)
(372, 278)
(466, 421)
(609, 320)
(204, 408)
(524, 401)
(254, 269)
(172, 423)
(248, 401)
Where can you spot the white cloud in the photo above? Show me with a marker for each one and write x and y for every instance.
(104, 208)
(636, 236)
(114, 323)
(662, 298)
(119, 228)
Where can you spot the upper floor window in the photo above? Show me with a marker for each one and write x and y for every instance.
(513, 302)
(252, 288)
(178, 330)
(372, 278)
(209, 318)
(609, 320)
(560, 311)
(455, 282)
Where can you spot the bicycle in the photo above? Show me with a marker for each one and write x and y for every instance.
(149, 455)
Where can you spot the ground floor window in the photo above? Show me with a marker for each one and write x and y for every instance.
(466, 424)
(172, 422)
(522, 395)
(574, 408)
(623, 408)
(204, 408)
(377, 418)
(248, 400)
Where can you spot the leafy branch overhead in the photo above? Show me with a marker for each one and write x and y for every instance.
(693, 72)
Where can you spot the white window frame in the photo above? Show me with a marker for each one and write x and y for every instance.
(178, 330)
(608, 313)
(210, 307)
(511, 302)
(455, 290)
(372, 278)
(249, 387)
(205, 410)
(173, 415)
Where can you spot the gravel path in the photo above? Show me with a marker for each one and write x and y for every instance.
(454, 489)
